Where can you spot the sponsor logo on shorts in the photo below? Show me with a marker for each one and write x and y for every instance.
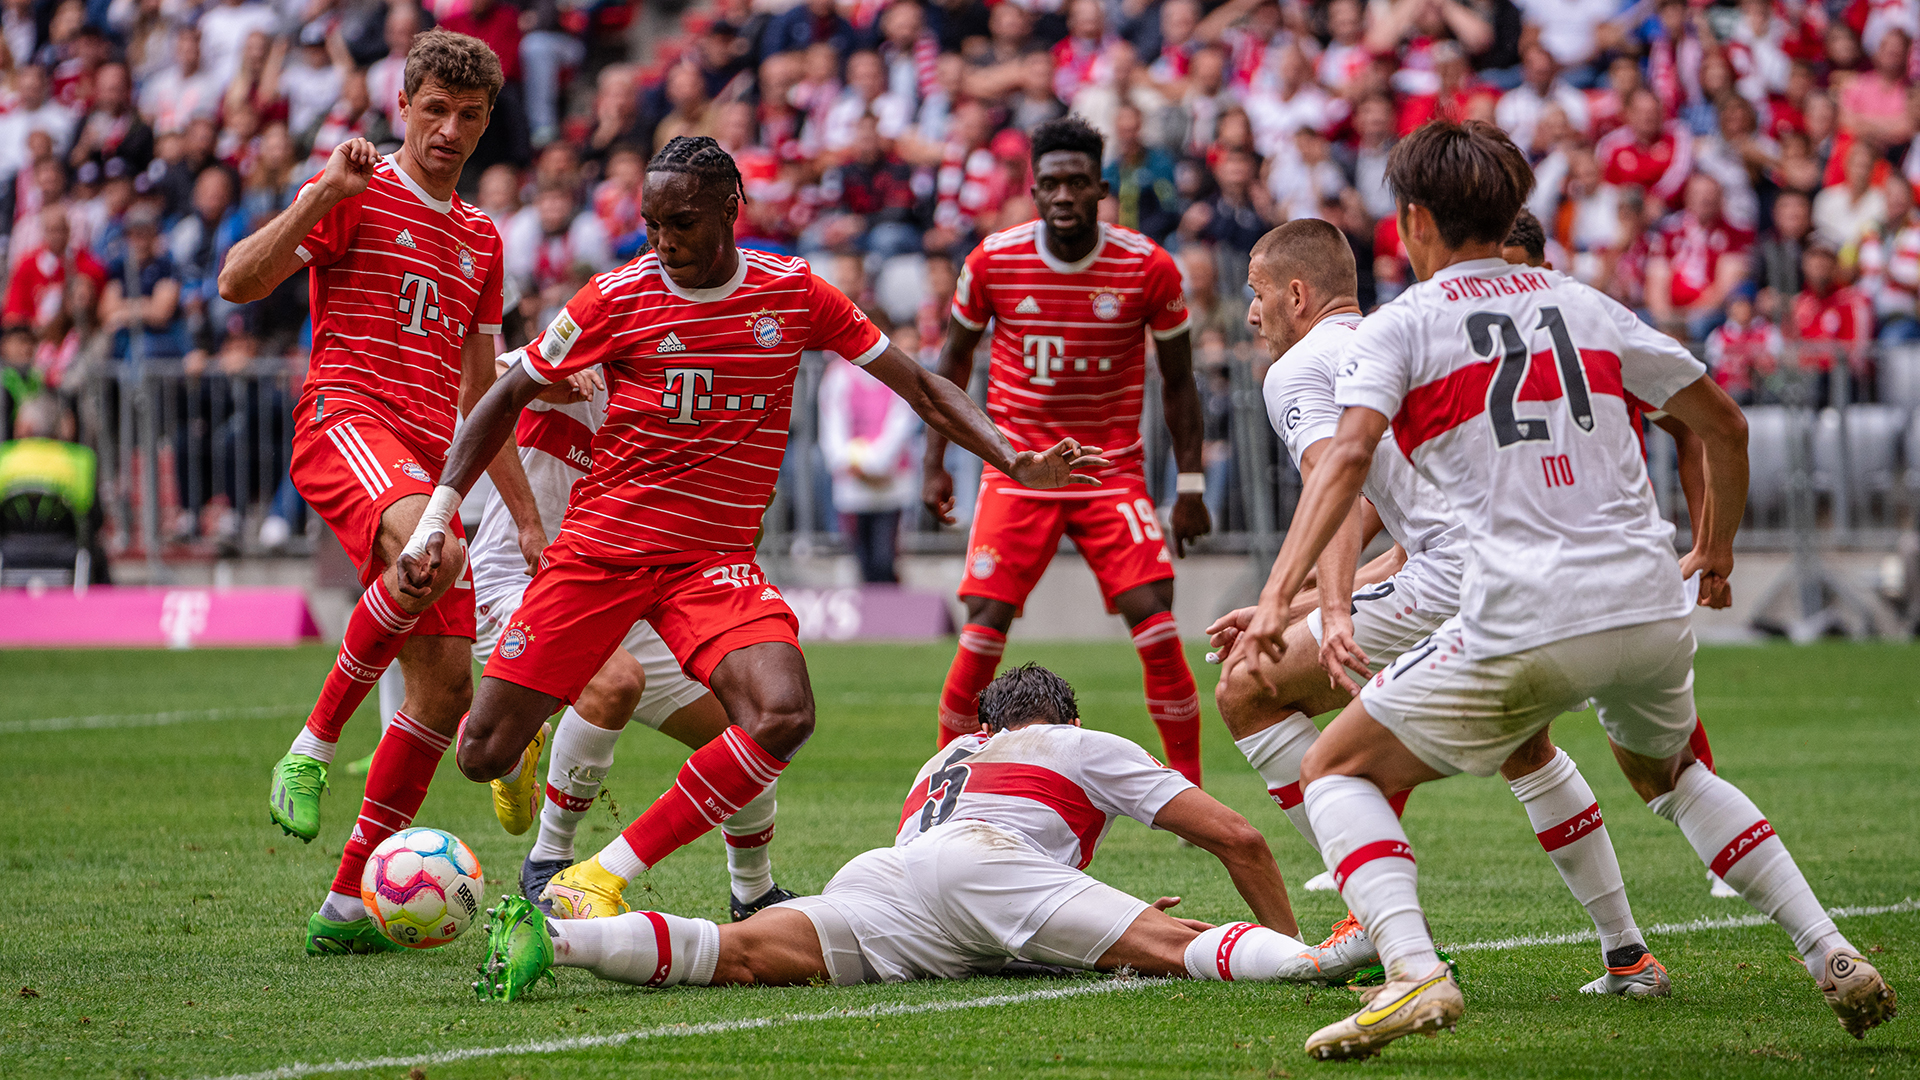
(514, 642)
(1106, 305)
(412, 468)
(983, 562)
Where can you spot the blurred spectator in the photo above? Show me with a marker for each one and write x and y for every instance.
(182, 91)
(1697, 261)
(1887, 261)
(1520, 108)
(1873, 105)
(807, 23)
(870, 195)
(33, 111)
(550, 246)
(1848, 210)
(113, 129)
(224, 30)
(1832, 325)
(546, 51)
(198, 244)
(141, 301)
(314, 75)
(20, 377)
(1740, 156)
(1741, 352)
(386, 77)
(37, 290)
(866, 434)
(1141, 178)
(1648, 151)
(1777, 264)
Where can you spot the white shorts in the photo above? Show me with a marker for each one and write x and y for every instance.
(668, 688)
(1388, 619)
(1461, 715)
(963, 899)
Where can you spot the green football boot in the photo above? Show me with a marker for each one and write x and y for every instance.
(294, 799)
(328, 938)
(519, 951)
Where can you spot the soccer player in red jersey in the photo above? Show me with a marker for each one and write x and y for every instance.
(700, 343)
(1071, 301)
(406, 302)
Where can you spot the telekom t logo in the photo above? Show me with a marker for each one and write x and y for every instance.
(419, 298)
(1043, 355)
(688, 397)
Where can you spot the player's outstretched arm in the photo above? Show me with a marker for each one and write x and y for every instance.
(956, 366)
(1180, 399)
(1722, 428)
(478, 374)
(950, 412)
(1207, 823)
(257, 265)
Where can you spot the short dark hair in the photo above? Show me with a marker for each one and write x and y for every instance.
(1528, 234)
(1069, 133)
(455, 61)
(1469, 176)
(701, 157)
(1027, 694)
(1313, 251)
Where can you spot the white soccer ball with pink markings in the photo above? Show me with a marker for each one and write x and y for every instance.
(422, 887)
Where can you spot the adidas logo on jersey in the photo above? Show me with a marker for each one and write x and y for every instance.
(405, 239)
(671, 344)
(1029, 306)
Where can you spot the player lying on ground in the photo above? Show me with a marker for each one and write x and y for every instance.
(1072, 301)
(406, 283)
(1305, 309)
(700, 343)
(640, 680)
(988, 868)
(1504, 387)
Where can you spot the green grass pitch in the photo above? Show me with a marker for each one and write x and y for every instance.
(150, 918)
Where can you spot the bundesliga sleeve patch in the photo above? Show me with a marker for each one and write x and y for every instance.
(559, 338)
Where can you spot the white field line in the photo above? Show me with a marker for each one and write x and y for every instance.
(720, 1027)
(140, 720)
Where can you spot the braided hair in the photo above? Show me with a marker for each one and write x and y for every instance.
(701, 157)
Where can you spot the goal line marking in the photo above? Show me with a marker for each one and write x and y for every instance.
(140, 720)
(1112, 986)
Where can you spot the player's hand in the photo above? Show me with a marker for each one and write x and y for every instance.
(1055, 468)
(1227, 629)
(533, 541)
(1263, 639)
(1190, 522)
(577, 387)
(1166, 902)
(1714, 568)
(1339, 653)
(419, 575)
(350, 167)
(936, 493)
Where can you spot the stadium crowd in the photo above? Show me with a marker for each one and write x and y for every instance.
(1741, 174)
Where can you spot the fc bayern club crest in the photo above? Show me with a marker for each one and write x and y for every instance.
(1106, 305)
(766, 328)
(985, 559)
(466, 262)
(514, 642)
(412, 468)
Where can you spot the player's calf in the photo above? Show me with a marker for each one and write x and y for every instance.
(503, 721)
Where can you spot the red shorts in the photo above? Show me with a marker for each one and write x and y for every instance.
(1015, 535)
(576, 611)
(350, 469)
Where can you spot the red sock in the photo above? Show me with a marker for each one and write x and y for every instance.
(719, 779)
(403, 766)
(375, 632)
(1173, 702)
(1398, 800)
(1697, 742)
(972, 670)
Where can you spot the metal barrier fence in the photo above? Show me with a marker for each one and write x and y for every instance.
(193, 465)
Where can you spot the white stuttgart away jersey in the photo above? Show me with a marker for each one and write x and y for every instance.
(1300, 406)
(1057, 785)
(1504, 386)
(556, 449)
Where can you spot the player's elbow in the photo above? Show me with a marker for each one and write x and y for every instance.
(234, 288)
(1348, 456)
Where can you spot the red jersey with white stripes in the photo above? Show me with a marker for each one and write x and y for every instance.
(1069, 340)
(1506, 387)
(1058, 786)
(399, 279)
(701, 389)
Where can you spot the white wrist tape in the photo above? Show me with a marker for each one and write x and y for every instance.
(440, 510)
(1190, 483)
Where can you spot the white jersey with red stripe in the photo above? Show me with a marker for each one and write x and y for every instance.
(556, 449)
(701, 390)
(399, 279)
(1069, 351)
(1057, 786)
(1299, 390)
(1505, 386)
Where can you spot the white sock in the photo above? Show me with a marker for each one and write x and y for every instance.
(1242, 951)
(581, 756)
(1729, 834)
(626, 948)
(1275, 753)
(342, 908)
(748, 834)
(1566, 818)
(313, 746)
(619, 860)
(1363, 844)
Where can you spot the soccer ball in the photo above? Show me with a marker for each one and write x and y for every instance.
(422, 887)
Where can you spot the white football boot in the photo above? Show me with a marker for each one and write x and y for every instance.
(1420, 1006)
(1858, 995)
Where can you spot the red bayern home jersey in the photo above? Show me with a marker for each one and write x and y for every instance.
(399, 280)
(701, 388)
(1069, 342)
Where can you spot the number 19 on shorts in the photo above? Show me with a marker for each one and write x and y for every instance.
(1140, 519)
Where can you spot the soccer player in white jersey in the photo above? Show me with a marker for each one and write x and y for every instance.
(1306, 311)
(988, 868)
(639, 681)
(1503, 384)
